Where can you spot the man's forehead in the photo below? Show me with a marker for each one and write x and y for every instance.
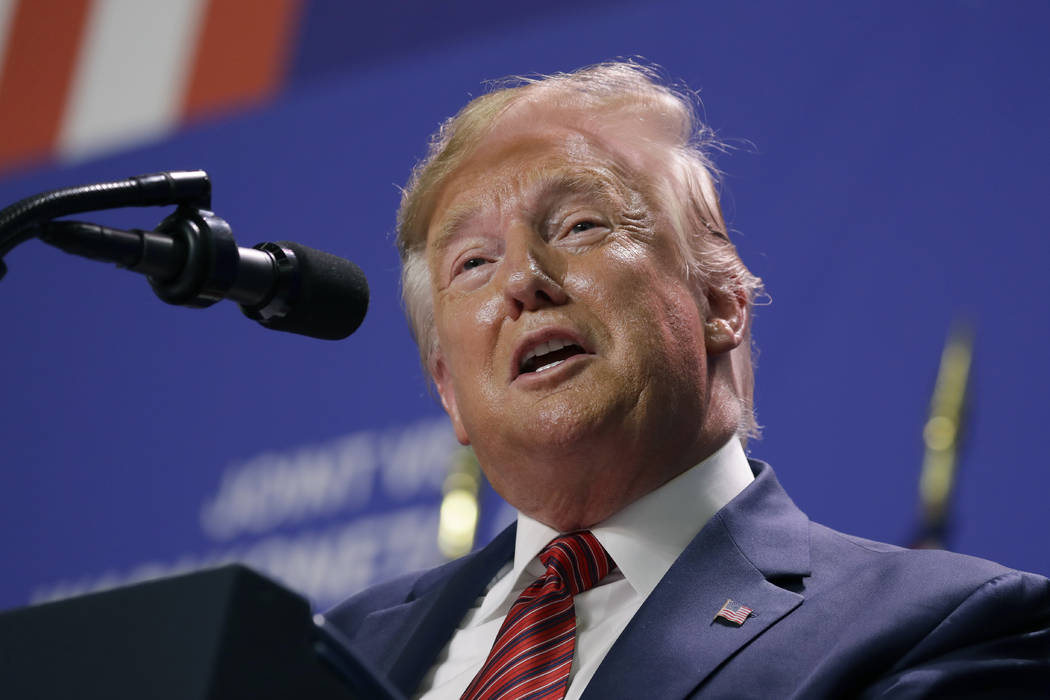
(529, 192)
(516, 161)
(539, 151)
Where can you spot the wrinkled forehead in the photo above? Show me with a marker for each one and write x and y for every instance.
(532, 142)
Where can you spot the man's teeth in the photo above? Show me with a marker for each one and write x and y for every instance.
(544, 348)
(538, 359)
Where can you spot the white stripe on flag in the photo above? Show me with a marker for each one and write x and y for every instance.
(7, 18)
(129, 79)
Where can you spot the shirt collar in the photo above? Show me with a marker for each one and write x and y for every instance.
(647, 536)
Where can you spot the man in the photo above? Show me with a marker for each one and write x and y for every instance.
(586, 322)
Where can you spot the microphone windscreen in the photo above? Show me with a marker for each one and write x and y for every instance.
(332, 297)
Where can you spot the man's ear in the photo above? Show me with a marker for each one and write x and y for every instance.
(443, 382)
(726, 324)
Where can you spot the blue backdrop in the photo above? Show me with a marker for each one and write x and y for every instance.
(888, 173)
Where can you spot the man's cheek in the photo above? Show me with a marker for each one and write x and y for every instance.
(490, 311)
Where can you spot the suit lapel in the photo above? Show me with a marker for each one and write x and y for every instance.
(673, 643)
(419, 629)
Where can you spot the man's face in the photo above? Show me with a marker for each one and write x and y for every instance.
(572, 349)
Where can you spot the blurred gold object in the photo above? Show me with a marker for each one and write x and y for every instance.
(459, 507)
(942, 433)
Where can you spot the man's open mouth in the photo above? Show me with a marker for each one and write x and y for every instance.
(548, 355)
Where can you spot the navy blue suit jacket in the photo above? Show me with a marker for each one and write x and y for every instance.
(834, 616)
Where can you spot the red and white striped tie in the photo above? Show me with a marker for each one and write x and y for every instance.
(533, 651)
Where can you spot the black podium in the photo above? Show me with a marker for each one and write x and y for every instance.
(218, 634)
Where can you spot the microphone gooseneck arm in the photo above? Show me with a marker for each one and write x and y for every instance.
(18, 220)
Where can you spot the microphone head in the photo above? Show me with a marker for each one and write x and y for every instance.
(330, 297)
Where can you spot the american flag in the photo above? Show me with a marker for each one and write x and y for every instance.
(734, 612)
(80, 78)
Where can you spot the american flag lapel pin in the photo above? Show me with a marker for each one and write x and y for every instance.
(733, 612)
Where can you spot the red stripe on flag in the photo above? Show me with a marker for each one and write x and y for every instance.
(242, 54)
(42, 49)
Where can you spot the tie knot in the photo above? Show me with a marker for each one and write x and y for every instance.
(578, 559)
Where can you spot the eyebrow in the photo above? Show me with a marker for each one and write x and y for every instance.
(587, 181)
(453, 222)
(548, 184)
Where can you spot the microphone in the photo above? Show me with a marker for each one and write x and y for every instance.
(294, 288)
(191, 259)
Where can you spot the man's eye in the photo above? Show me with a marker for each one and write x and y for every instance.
(471, 263)
(582, 226)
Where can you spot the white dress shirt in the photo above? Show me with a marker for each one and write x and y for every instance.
(644, 539)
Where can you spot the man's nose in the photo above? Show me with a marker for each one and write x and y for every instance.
(532, 276)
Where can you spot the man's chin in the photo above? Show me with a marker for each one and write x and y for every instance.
(565, 427)
(574, 505)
